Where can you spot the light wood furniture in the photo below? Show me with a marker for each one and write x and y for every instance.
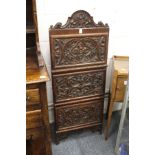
(122, 119)
(120, 71)
(38, 139)
(79, 59)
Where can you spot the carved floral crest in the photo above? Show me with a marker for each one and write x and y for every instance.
(80, 19)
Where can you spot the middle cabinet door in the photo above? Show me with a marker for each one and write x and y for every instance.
(78, 85)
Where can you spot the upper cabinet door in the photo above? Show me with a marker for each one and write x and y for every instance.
(79, 43)
(79, 85)
(78, 51)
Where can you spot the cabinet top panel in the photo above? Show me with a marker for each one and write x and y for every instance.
(34, 73)
(121, 64)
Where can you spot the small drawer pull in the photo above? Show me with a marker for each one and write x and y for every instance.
(118, 88)
(29, 137)
(27, 98)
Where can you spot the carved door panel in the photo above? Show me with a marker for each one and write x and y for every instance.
(79, 51)
(78, 85)
(78, 114)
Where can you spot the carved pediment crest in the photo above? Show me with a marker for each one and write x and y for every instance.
(80, 19)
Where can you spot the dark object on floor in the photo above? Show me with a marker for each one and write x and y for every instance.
(123, 150)
(122, 119)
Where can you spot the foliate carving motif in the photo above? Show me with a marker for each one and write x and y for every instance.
(69, 51)
(78, 85)
(80, 19)
(78, 115)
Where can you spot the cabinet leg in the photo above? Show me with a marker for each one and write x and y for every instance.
(57, 140)
(100, 129)
(108, 106)
(109, 120)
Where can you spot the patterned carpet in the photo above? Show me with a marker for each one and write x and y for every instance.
(89, 143)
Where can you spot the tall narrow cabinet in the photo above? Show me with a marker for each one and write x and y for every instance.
(79, 59)
(38, 139)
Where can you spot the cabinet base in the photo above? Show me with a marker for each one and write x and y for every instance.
(60, 135)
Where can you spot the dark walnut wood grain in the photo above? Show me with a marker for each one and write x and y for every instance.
(33, 96)
(37, 121)
(79, 59)
(33, 119)
(38, 138)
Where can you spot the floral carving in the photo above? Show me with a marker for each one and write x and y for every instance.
(76, 115)
(79, 85)
(80, 19)
(69, 51)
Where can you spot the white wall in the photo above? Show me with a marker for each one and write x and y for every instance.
(113, 12)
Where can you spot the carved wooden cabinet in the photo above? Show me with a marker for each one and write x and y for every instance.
(38, 138)
(79, 59)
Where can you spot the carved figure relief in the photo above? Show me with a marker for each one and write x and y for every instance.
(78, 85)
(69, 51)
(78, 115)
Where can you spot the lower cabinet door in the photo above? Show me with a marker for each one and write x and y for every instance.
(79, 114)
(78, 85)
(36, 147)
(35, 133)
(33, 119)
